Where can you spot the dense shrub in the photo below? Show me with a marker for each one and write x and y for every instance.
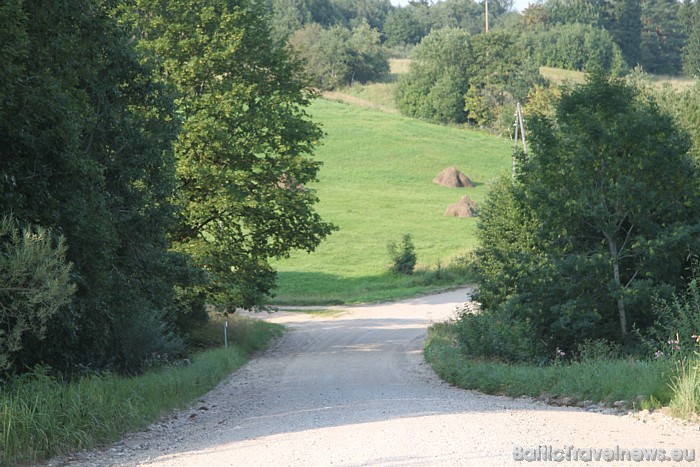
(34, 284)
(595, 224)
(678, 321)
(338, 56)
(495, 335)
(438, 77)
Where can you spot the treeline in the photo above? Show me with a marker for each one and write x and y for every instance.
(459, 76)
(153, 157)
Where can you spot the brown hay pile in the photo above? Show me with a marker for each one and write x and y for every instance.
(453, 178)
(465, 207)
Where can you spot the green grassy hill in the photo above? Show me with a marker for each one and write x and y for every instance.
(376, 185)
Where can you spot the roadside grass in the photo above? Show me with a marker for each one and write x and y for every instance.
(41, 417)
(600, 381)
(376, 185)
(685, 402)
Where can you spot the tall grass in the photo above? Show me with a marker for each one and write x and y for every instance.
(606, 381)
(686, 389)
(41, 417)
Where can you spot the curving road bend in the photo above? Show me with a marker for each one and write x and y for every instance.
(353, 389)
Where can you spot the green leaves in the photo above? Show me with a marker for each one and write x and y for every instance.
(34, 283)
(599, 219)
(243, 156)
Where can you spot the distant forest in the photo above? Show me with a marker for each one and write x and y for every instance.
(458, 74)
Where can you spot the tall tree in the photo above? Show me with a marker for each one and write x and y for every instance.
(614, 197)
(624, 21)
(84, 135)
(663, 37)
(437, 80)
(690, 13)
(402, 26)
(288, 16)
(243, 155)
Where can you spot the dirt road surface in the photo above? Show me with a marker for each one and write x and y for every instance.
(353, 389)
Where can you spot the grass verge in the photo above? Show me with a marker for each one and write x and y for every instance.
(685, 402)
(600, 381)
(41, 417)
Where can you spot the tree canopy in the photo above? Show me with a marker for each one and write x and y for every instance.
(600, 219)
(157, 153)
(243, 154)
(84, 138)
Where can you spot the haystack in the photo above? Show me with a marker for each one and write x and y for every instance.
(453, 178)
(465, 207)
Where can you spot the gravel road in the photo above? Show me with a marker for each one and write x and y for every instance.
(353, 389)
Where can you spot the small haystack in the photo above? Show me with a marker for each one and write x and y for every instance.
(453, 178)
(465, 207)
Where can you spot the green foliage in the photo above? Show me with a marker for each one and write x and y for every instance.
(34, 284)
(403, 257)
(592, 350)
(437, 80)
(603, 381)
(690, 14)
(677, 324)
(625, 25)
(243, 155)
(558, 12)
(337, 56)
(496, 336)
(575, 47)
(369, 60)
(288, 16)
(596, 224)
(663, 37)
(684, 106)
(500, 77)
(675, 336)
(41, 417)
(686, 389)
(455, 78)
(84, 137)
(403, 27)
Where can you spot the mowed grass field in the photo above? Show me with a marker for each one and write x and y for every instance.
(376, 185)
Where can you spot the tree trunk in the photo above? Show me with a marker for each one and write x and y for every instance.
(621, 300)
(618, 284)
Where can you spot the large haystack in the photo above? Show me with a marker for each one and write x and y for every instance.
(453, 178)
(465, 207)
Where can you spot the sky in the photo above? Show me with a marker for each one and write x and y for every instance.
(519, 4)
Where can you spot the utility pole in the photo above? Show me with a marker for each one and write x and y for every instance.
(486, 5)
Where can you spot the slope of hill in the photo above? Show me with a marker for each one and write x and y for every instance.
(376, 185)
